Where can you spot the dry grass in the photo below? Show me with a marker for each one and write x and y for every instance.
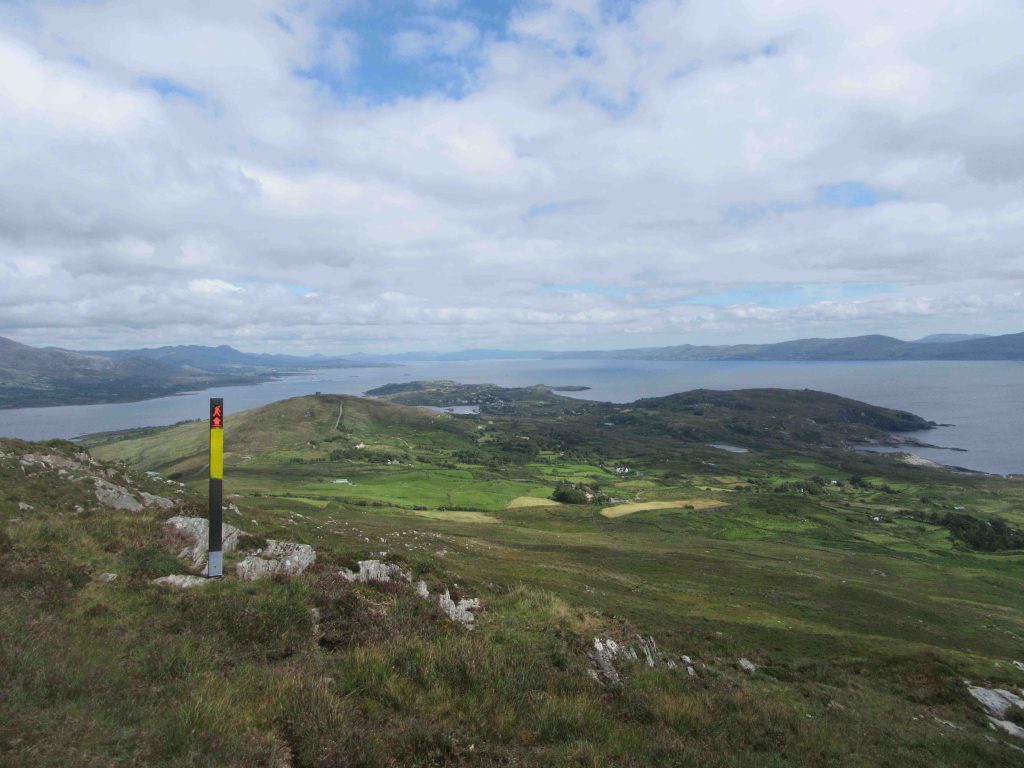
(521, 502)
(621, 510)
(456, 516)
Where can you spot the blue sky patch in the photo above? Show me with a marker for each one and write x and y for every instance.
(382, 74)
(851, 194)
(171, 88)
(844, 194)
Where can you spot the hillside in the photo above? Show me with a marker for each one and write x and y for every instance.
(224, 359)
(30, 376)
(706, 607)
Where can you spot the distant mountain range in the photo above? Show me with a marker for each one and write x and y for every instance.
(465, 354)
(225, 359)
(945, 337)
(1008, 347)
(875, 347)
(30, 376)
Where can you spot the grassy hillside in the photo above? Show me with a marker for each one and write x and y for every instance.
(30, 376)
(860, 606)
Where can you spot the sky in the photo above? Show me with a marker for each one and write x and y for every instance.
(441, 174)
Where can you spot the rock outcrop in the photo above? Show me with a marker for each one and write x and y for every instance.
(197, 531)
(115, 496)
(459, 610)
(285, 558)
(998, 703)
(607, 651)
(151, 500)
(181, 581)
(371, 571)
(81, 466)
(379, 572)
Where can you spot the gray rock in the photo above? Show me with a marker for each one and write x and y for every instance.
(294, 558)
(604, 653)
(375, 571)
(607, 651)
(314, 615)
(156, 501)
(254, 567)
(197, 529)
(748, 666)
(106, 578)
(996, 701)
(52, 460)
(115, 496)
(421, 589)
(1007, 727)
(181, 581)
(284, 558)
(23, 507)
(649, 650)
(460, 611)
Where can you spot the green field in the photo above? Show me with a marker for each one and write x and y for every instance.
(834, 572)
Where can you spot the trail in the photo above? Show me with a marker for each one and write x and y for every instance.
(341, 414)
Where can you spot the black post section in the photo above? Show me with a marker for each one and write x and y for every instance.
(216, 514)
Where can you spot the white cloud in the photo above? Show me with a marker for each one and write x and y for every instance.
(208, 287)
(194, 170)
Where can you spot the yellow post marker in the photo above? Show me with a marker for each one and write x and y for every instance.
(215, 558)
(216, 454)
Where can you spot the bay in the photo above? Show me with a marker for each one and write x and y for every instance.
(983, 401)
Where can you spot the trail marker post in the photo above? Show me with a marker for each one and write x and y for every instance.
(215, 558)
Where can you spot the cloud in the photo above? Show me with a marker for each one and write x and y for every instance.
(208, 287)
(249, 171)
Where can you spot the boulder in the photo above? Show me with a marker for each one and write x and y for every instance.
(285, 558)
(604, 653)
(996, 701)
(181, 581)
(115, 496)
(1007, 727)
(607, 651)
(254, 567)
(51, 460)
(376, 571)
(156, 501)
(197, 530)
(461, 610)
